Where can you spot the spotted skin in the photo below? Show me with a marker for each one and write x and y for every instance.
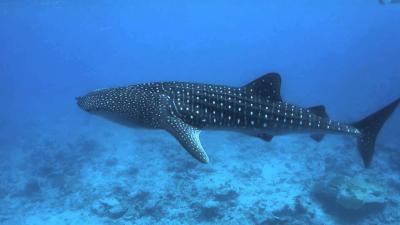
(184, 109)
(222, 107)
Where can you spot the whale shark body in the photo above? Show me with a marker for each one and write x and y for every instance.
(256, 109)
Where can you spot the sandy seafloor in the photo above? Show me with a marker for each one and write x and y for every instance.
(57, 174)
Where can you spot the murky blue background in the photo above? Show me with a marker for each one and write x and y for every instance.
(340, 53)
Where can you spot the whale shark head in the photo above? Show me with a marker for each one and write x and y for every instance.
(116, 104)
(95, 102)
(104, 102)
(84, 103)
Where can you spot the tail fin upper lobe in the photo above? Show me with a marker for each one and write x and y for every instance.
(369, 128)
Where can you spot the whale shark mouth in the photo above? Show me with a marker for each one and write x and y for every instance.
(81, 102)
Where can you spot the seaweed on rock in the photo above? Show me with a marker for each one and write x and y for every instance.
(132, 171)
(227, 197)
(31, 189)
(155, 212)
(208, 213)
(3, 192)
(141, 198)
(109, 207)
(87, 146)
(111, 162)
(298, 215)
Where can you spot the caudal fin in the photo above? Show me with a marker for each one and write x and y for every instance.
(369, 128)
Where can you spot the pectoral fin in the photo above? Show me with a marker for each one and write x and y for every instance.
(188, 136)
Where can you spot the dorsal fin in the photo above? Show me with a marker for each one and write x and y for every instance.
(267, 86)
(319, 110)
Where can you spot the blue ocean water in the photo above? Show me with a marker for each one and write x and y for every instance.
(60, 165)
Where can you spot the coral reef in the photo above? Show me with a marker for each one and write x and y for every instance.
(351, 197)
(115, 180)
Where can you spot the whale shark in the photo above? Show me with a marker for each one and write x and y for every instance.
(257, 109)
(385, 2)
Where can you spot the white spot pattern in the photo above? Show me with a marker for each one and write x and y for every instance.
(206, 106)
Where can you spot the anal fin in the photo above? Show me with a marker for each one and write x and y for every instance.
(317, 137)
(187, 136)
(320, 111)
(265, 137)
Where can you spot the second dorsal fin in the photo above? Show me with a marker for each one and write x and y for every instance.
(319, 110)
(267, 86)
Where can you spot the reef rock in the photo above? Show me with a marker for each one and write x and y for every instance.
(109, 207)
(357, 193)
